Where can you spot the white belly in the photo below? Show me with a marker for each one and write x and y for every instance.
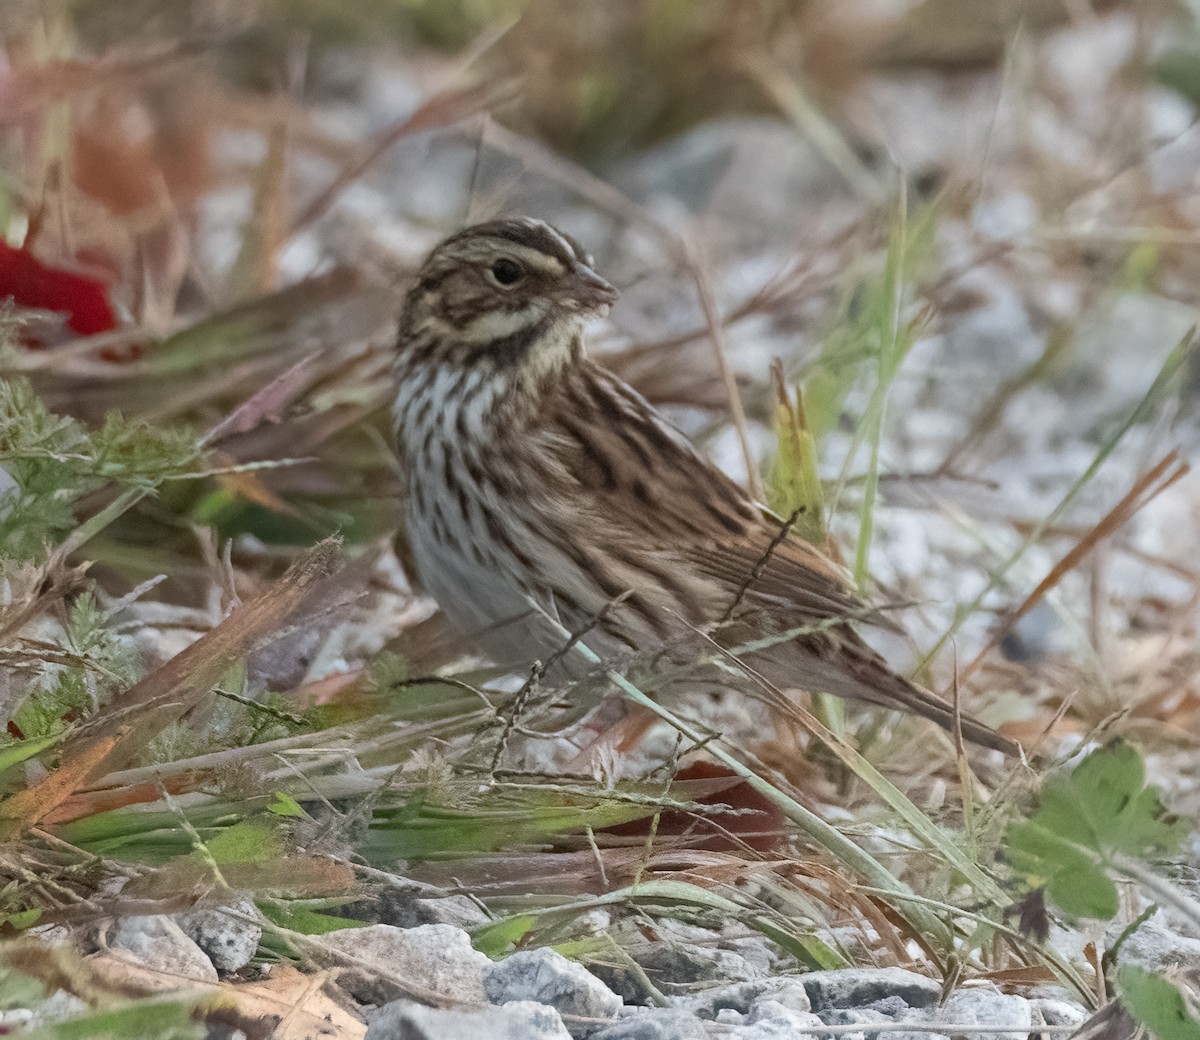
(486, 592)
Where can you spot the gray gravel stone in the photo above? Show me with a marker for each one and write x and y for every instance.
(770, 1020)
(854, 1017)
(962, 1007)
(412, 905)
(1110, 373)
(159, 943)
(1055, 1012)
(787, 990)
(756, 952)
(654, 1024)
(986, 1007)
(519, 1020)
(549, 978)
(857, 987)
(892, 1007)
(58, 1007)
(673, 967)
(456, 910)
(672, 964)
(14, 1020)
(230, 939)
(436, 959)
(1156, 947)
(999, 329)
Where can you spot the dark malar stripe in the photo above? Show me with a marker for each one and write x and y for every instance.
(509, 350)
(413, 353)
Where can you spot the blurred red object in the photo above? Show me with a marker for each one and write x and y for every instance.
(761, 829)
(31, 283)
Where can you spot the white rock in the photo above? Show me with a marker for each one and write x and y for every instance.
(1055, 1012)
(229, 936)
(519, 1020)
(770, 1020)
(549, 978)
(653, 1024)
(984, 1007)
(434, 959)
(158, 943)
(1155, 946)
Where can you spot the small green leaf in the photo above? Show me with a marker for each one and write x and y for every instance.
(286, 805)
(19, 920)
(14, 754)
(500, 936)
(1156, 1004)
(807, 949)
(1100, 809)
(251, 841)
(794, 480)
(1060, 812)
(1084, 890)
(297, 917)
(389, 670)
(1038, 852)
(1108, 778)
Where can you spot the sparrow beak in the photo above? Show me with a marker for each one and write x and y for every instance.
(590, 290)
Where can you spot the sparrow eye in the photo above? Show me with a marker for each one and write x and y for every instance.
(507, 272)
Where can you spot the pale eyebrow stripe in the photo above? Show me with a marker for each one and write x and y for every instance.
(532, 257)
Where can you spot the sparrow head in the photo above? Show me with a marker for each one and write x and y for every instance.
(505, 278)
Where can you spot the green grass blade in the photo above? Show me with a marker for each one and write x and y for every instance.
(829, 838)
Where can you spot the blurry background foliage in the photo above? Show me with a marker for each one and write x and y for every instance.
(598, 79)
(602, 79)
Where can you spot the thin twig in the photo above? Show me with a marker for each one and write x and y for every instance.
(1168, 470)
(761, 565)
(716, 335)
(539, 669)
